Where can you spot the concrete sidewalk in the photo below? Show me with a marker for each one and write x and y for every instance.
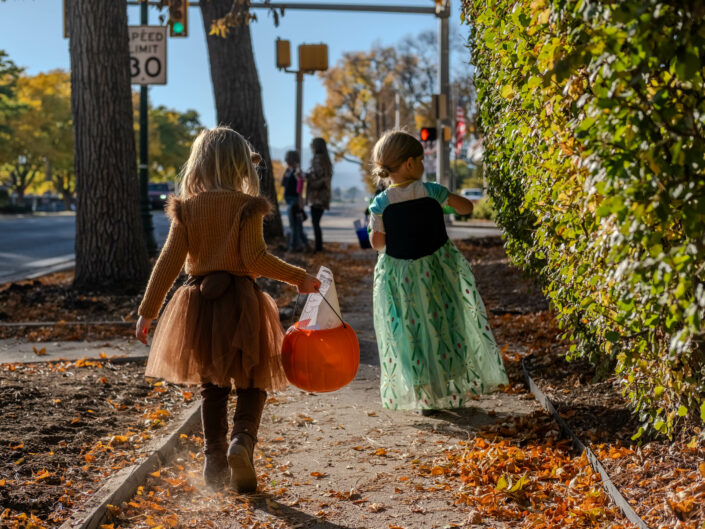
(13, 350)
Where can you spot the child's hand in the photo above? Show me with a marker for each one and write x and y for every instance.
(310, 285)
(142, 329)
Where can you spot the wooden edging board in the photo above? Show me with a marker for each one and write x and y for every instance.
(123, 485)
(611, 489)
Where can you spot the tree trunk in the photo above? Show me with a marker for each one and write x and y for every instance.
(238, 96)
(110, 250)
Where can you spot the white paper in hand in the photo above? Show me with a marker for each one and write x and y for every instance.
(317, 314)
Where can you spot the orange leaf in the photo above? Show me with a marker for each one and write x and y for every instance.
(103, 380)
(156, 474)
(18, 446)
(319, 475)
(701, 468)
(380, 452)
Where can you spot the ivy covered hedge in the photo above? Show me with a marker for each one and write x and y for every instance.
(593, 115)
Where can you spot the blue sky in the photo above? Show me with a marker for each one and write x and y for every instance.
(31, 33)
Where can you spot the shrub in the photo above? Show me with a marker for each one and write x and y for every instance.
(593, 118)
(483, 209)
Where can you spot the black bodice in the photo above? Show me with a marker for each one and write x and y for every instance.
(414, 228)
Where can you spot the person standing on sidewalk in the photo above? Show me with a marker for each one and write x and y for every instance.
(436, 348)
(293, 182)
(318, 185)
(219, 328)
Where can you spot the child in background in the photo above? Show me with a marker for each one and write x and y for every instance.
(436, 348)
(220, 328)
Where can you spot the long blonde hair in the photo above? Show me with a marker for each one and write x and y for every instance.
(391, 151)
(220, 159)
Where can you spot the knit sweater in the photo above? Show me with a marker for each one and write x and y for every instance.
(215, 231)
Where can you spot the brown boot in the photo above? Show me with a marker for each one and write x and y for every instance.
(214, 416)
(248, 412)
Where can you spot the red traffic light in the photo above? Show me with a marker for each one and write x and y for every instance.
(428, 133)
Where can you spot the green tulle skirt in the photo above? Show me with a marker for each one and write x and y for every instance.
(436, 348)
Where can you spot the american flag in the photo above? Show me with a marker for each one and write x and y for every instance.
(459, 130)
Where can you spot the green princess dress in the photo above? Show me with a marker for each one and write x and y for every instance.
(436, 348)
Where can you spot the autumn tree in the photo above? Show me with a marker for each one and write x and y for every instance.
(110, 249)
(171, 133)
(238, 95)
(359, 103)
(9, 105)
(38, 136)
(361, 89)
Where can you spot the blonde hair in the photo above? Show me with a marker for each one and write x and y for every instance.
(391, 151)
(220, 159)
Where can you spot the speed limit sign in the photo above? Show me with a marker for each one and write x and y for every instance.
(148, 54)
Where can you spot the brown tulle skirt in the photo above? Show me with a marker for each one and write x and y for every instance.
(220, 329)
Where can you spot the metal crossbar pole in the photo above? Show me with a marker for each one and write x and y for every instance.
(417, 10)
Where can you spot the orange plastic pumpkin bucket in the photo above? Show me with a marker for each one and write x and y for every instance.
(320, 360)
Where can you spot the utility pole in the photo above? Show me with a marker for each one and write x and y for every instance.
(145, 206)
(443, 83)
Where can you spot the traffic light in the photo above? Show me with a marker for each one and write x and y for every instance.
(178, 18)
(428, 134)
(313, 57)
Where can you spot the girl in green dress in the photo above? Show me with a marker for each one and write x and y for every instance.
(436, 348)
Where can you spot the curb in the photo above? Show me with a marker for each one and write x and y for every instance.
(611, 489)
(25, 276)
(123, 485)
(117, 360)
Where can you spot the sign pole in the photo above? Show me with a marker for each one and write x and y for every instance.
(145, 206)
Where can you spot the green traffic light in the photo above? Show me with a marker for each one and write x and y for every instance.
(178, 27)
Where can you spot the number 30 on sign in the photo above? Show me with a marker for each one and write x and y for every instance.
(148, 54)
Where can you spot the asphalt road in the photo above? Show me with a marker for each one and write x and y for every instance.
(31, 246)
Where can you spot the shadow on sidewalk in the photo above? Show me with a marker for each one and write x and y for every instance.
(293, 517)
(462, 423)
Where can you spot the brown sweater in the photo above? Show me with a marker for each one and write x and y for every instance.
(215, 231)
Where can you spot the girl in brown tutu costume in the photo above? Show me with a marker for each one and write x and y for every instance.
(220, 329)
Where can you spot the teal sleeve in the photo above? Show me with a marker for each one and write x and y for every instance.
(376, 208)
(437, 192)
(378, 204)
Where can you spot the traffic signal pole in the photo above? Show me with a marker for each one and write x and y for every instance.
(145, 206)
(299, 109)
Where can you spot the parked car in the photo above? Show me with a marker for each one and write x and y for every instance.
(158, 192)
(472, 193)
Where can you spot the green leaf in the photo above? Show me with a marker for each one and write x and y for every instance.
(612, 336)
(682, 411)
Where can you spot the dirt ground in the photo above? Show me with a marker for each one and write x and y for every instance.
(664, 480)
(67, 426)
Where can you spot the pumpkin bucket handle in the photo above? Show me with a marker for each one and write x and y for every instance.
(296, 309)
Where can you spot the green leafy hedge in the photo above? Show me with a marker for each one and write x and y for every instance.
(593, 115)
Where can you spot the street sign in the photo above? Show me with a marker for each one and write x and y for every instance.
(148, 54)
